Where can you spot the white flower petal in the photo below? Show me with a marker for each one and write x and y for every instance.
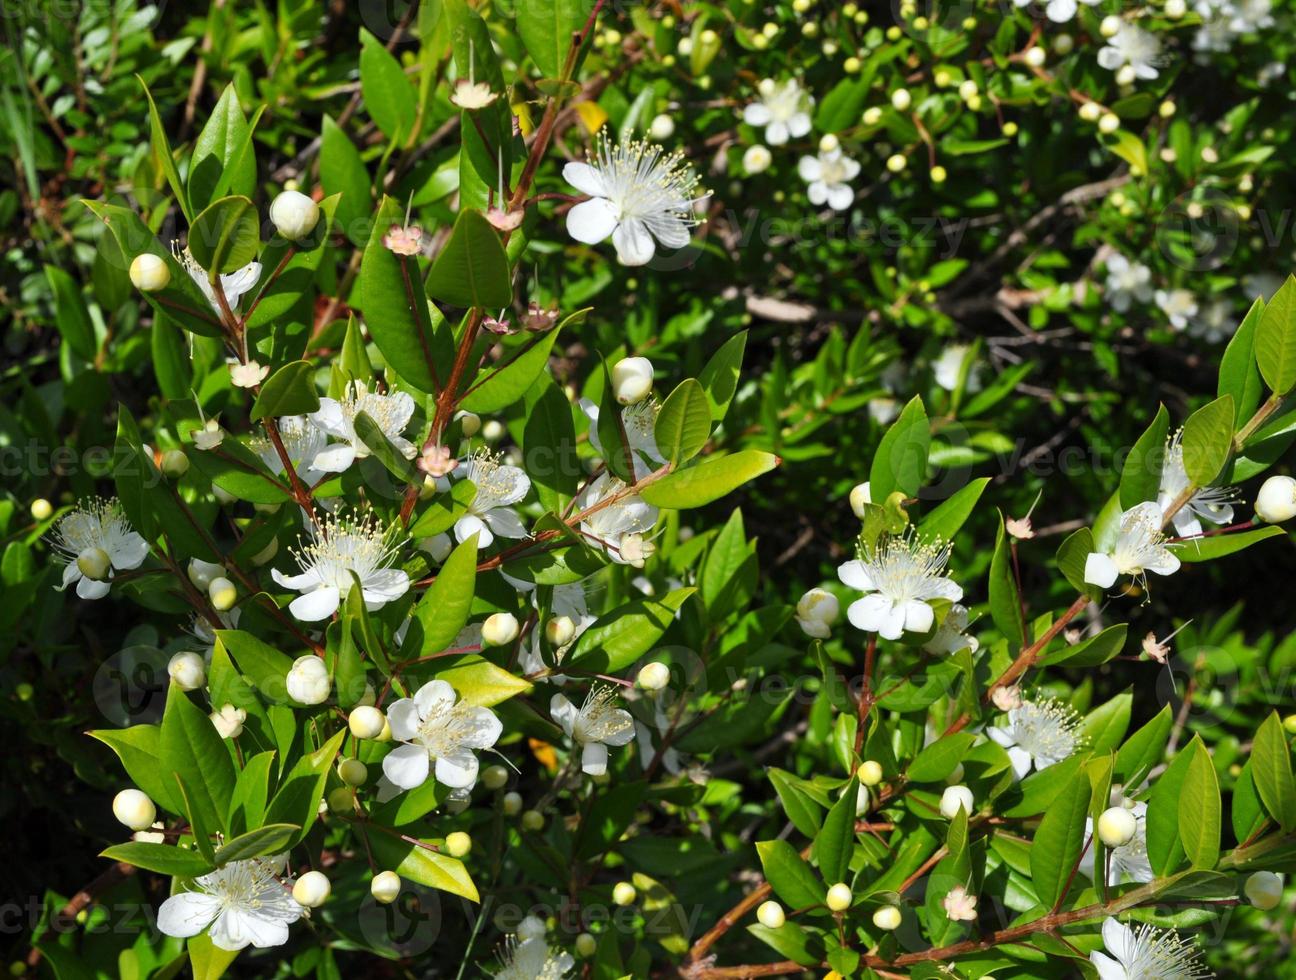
(457, 768)
(854, 574)
(585, 179)
(634, 246)
(592, 221)
(314, 606)
(594, 756)
(563, 712)
(434, 697)
(757, 114)
(1100, 570)
(403, 719)
(187, 914)
(406, 766)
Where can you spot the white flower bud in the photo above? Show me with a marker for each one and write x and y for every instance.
(458, 844)
(869, 772)
(901, 99)
(887, 918)
(494, 777)
(816, 613)
(662, 127)
(353, 772)
(499, 629)
(653, 676)
(308, 680)
(872, 116)
(294, 215)
(1276, 501)
(134, 809)
(896, 162)
(187, 670)
(493, 431)
(771, 915)
(385, 887)
(586, 945)
(531, 927)
(366, 721)
(312, 889)
(512, 804)
(1108, 123)
(175, 464)
(859, 497)
(1174, 9)
(1264, 890)
(955, 798)
(1110, 26)
(94, 563)
(533, 820)
(1090, 111)
(1034, 57)
(828, 143)
(41, 509)
(967, 89)
(229, 721)
(469, 423)
(1064, 44)
(757, 159)
(632, 379)
(149, 272)
(560, 631)
(839, 897)
(438, 546)
(222, 593)
(1117, 826)
(1125, 75)
(635, 550)
(623, 893)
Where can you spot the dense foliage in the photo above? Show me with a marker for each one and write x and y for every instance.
(548, 488)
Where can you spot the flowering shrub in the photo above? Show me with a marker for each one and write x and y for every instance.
(554, 489)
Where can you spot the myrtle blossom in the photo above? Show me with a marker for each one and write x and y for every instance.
(1126, 282)
(94, 541)
(1214, 504)
(1146, 954)
(1129, 860)
(233, 284)
(829, 174)
(499, 487)
(638, 195)
(336, 418)
(439, 734)
(620, 516)
(302, 440)
(951, 636)
(594, 726)
(1133, 46)
(1139, 547)
(1059, 11)
(341, 550)
(532, 959)
(783, 110)
(959, 905)
(949, 366)
(1215, 323)
(900, 578)
(640, 424)
(1039, 734)
(1179, 306)
(243, 903)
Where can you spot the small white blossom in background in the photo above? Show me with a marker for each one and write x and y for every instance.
(955, 798)
(1215, 323)
(951, 636)
(1145, 954)
(391, 412)
(949, 366)
(403, 240)
(244, 903)
(638, 197)
(1134, 47)
(1214, 504)
(187, 670)
(532, 959)
(149, 273)
(1059, 11)
(783, 111)
(338, 548)
(499, 487)
(95, 540)
(134, 809)
(1006, 698)
(1179, 306)
(247, 375)
(438, 733)
(1039, 734)
(594, 726)
(828, 175)
(816, 613)
(632, 379)
(233, 284)
(757, 159)
(900, 579)
(1139, 548)
(959, 905)
(1126, 282)
(1128, 860)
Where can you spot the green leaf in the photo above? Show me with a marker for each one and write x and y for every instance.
(719, 377)
(1165, 852)
(290, 266)
(792, 879)
(172, 364)
(165, 859)
(1245, 808)
(444, 510)
(263, 664)
(946, 519)
(1140, 478)
(289, 391)
(162, 152)
(936, 761)
(1105, 725)
(240, 472)
(191, 748)
(226, 235)
(901, 459)
(479, 681)
(501, 386)
(1208, 440)
(1071, 559)
(1058, 842)
(684, 423)
(389, 96)
(206, 960)
(709, 480)
(546, 28)
(382, 449)
(1238, 374)
(549, 445)
(424, 866)
(1271, 769)
(298, 799)
(343, 172)
(625, 634)
(801, 808)
(1005, 600)
(140, 750)
(271, 839)
(443, 610)
(1143, 750)
(612, 437)
(70, 313)
(251, 793)
(1199, 810)
(222, 160)
(472, 269)
(836, 840)
(1275, 341)
(1219, 545)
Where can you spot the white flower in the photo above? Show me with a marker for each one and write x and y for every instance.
(828, 175)
(435, 727)
(900, 578)
(308, 681)
(248, 375)
(757, 159)
(783, 110)
(816, 613)
(94, 541)
(1127, 281)
(340, 547)
(949, 366)
(391, 412)
(1133, 46)
(1213, 504)
(1128, 860)
(611, 524)
(499, 487)
(959, 905)
(243, 903)
(472, 95)
(1179, 306)
(532, 959)
(229, 721)
(640, 424)
(1059, 11)
(1215, 323)
(1148, 954)
(1139, 548)
(233, 284)
(303, 442)
(597, 724)
(1039, 734)
(951, 635)
(637, 194)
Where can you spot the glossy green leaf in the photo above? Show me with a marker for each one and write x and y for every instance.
(683, 423)
(389, 96)
(1208, 440)
(709, 480)
(472, 269)
(1199, 810)
(443, 610)
(226, 236)
(165, 859)
(1275, 340)
(1271, 768)
(191, 748)
(1140, 478)
(1058, 842)
(900, 462)
(425, 866)
(289, 391)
